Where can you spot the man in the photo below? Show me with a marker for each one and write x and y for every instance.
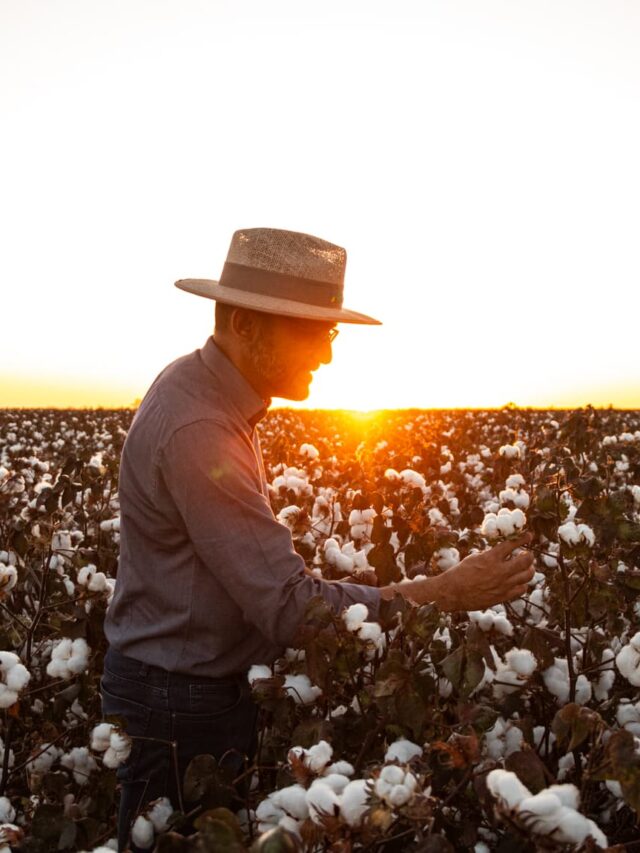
(209, 582)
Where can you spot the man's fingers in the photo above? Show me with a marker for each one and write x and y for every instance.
(509, 545)
(523, 577)
(521, 562)
(517, 592)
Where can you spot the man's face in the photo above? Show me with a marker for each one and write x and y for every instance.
(287, 351)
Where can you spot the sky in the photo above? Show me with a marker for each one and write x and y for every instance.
(477, 158)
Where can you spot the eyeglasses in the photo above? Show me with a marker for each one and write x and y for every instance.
(332, 335)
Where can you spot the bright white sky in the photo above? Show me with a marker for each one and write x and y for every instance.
(478, 160)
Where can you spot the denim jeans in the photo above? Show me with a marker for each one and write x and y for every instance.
(200, 715)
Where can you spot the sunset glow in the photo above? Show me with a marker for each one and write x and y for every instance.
(478, 162)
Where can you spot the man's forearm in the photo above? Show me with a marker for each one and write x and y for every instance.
(429, 590)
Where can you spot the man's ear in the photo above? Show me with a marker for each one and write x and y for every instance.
(244, 324)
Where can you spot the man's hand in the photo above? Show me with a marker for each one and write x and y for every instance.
(477, 582)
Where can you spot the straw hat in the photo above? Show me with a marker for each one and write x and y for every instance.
(281, 272)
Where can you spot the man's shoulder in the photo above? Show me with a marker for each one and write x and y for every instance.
(185, 393)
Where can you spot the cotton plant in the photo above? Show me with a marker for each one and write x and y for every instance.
(345, 558)
(113, 742)
(69, 658)
(557, 682)
(94, 581)
(293, 479)
(309, 451)
(576, 535)
(395, 785)
(552, 812)
(14, 677)
(503, 739)
(361, 523)
(513, 673)
(447, 558)
(628, 660)
(628, 716)
(492, 619)
(505, 524)
(8, 578)
(403, 751)
(153, 821)
(355, 620)
(514, 492)
(42, 760)
(80, 762)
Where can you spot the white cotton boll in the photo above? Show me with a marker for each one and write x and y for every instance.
(301, 688)
(142, 832)
(80, 763)
(628, 716)
(293, 801)
(575, 828)
(510, 451)
(343, 562)
(445, 688)
(309, 451)
(97, 582)
(18, 677)
(586, 534)
(502, 625)
(101, 736)
(7, 812)
(371, 632)
(322, 801)
(506, 786)
(43, 759)
(568, 795)
(402, 750)
(342, 767)
(514, 481)
(318, 756)
(391, 775)
(413, 479)
(160, 813)
(268, 814)
(354, 802)
(513, 740)
(568, 532)
(614, 788)
(398, 796)
(481, 847)
(606, 677)
(336, 781)
(354, 616)
(521, 661)
(628, 660)
(392, 475)
(447, 558)
(8, 578)
(8, 660)
(482, 618)
(565, 765)
(556, 679)
(583, 690)
(7, 697)
(258, 671)
(435, 516)
(543, 804)
(490, 526)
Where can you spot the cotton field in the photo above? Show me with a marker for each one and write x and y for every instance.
(515, 728)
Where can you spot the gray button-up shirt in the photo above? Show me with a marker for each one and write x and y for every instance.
(208, 581)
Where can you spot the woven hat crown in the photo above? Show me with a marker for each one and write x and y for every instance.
(288, 252)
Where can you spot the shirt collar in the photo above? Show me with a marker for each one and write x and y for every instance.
(244, 397)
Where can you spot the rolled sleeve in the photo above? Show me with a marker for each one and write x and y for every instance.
(212, 472)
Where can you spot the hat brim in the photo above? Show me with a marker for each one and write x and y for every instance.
(271, 305)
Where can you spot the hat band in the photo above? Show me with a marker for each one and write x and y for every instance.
(281, 286)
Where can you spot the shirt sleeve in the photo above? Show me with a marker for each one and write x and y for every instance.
(212, 473)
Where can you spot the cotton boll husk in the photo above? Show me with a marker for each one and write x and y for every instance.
(354, 802)
(292, 800)
(142, 832)
(403, 751)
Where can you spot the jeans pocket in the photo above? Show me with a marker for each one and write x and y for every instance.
(136, 721)
(215, 698)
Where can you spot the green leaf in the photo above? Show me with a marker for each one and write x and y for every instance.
(628, 531)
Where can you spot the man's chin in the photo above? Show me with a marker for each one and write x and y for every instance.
(297, 392)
